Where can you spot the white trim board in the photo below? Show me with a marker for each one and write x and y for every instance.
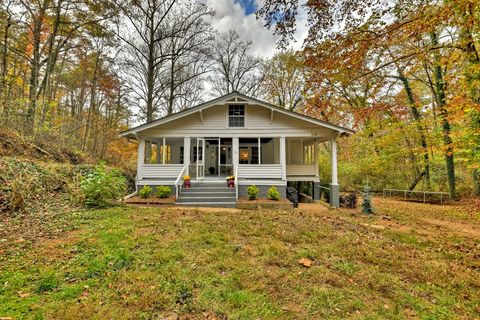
(224, 100)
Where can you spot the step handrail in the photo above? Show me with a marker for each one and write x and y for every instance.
(177, 186)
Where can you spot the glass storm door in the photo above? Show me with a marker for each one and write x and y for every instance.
(200, 158)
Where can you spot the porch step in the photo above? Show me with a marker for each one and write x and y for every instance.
(208, 204)
(208, 184)
(208, 190)
(210, 198)
(208, 194)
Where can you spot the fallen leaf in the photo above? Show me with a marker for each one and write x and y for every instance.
(305, 262)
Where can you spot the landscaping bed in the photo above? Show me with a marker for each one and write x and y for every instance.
(262, 203)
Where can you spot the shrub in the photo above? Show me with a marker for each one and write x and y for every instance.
(367, 206)
(163, 192)
(100, 187)
(252, 192)
(145, 192)
(273, 193)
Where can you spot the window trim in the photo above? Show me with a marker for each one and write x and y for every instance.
(227, 113)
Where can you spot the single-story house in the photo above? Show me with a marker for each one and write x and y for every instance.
(259, 143)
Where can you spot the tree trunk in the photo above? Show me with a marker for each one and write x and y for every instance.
(93, 97)
(51, 61)
(37, 21)
(3, 74)
(418, 120)
(171, 89)
(443, 113)
(472, 76)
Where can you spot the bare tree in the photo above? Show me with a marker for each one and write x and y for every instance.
(188, 46)
(236, 68)
(143, 36)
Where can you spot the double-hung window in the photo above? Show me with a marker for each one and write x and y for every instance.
(236, 116)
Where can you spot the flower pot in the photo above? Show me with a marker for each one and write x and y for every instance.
(186, 184)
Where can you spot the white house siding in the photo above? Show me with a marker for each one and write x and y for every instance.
(258, 124)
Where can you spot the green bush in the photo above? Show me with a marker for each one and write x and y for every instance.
(273, 193)
(163, 192)
(252, 192)
(101, 187)
(145, 192)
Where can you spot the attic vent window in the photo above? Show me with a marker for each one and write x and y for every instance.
(236, 116)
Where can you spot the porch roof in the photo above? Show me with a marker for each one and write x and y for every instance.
(131, 133)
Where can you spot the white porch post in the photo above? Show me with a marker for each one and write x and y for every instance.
(283, 158)
(334, 187)
(316, 183)
(158, 152)
(140, 158)
(186, 154)
(235, 156)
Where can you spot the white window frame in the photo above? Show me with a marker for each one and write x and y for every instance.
(244, 115)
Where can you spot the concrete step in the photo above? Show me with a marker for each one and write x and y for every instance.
(207, 204)
(208, 184)
(208, 189)
(211, 199)
(206, 194)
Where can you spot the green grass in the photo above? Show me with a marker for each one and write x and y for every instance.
(131, 263)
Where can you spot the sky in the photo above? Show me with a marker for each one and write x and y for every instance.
(239, 15)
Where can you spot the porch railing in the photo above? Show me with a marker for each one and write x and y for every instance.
(178, 185)
(263, 171)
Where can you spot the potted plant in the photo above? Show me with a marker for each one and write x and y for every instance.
(231, 181)
(186, 182)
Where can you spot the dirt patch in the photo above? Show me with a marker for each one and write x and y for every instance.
(55, 248)
(456, 227)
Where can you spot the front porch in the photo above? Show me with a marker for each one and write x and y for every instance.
(260, 161)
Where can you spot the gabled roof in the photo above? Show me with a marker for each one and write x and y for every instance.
(228, 98)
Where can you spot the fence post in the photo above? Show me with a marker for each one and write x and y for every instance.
(424, 193)
(405, 194)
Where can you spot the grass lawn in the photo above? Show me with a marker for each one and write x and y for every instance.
(408, 261)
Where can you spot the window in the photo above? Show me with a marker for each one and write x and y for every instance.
(254, 158)
(236, 116)
(309, 154)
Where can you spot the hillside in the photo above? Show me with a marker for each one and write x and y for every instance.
(43, 175)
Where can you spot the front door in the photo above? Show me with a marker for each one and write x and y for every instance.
(200, 158)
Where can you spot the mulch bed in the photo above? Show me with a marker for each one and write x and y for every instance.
(264, 200)
(150, 200)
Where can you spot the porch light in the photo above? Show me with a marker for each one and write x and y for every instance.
(244, 156)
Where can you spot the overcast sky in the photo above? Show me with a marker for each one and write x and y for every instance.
(239, 15)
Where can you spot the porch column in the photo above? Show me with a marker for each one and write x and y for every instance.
(334, 187)
(186, 154)
(158, 152)
(283, 158)
(235, 157)
(140, 158)
(316, 183)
